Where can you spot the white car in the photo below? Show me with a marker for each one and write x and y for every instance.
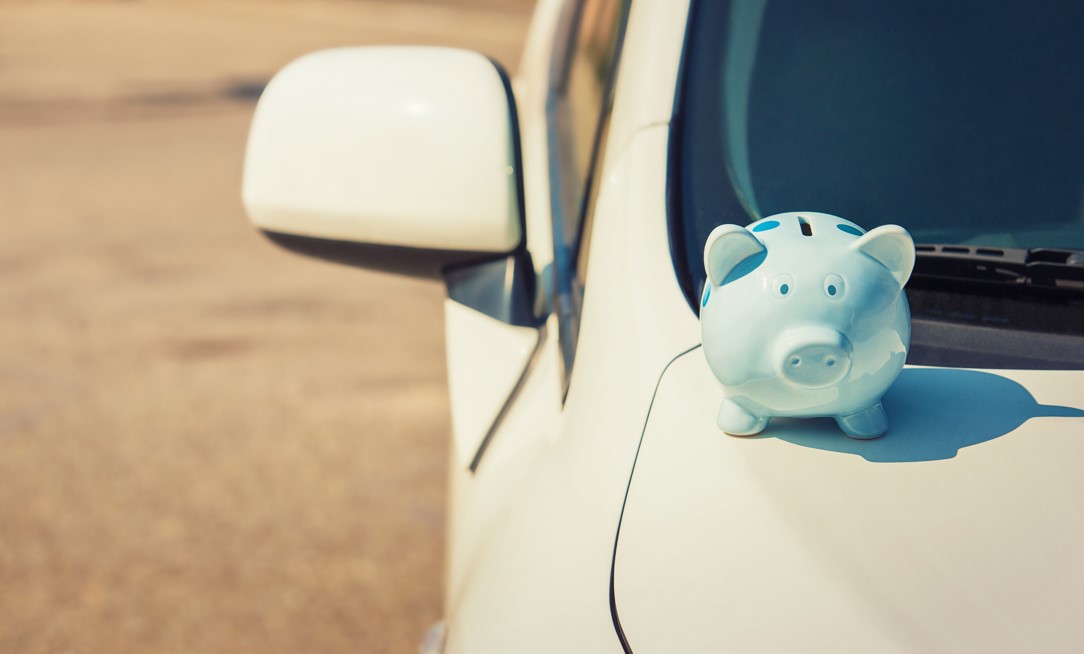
(595, 505)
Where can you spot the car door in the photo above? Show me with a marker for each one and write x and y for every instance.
(533, 524)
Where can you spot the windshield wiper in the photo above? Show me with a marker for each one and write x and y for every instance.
(1006, 269)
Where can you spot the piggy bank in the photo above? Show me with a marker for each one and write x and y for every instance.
(804, 315)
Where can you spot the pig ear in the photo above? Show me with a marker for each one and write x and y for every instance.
(728, 247)
(892, 247)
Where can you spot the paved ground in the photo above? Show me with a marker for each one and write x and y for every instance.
(206, 445)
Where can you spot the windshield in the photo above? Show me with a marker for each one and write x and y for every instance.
(961, 121)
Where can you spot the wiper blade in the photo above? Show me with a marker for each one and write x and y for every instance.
(1037, 269)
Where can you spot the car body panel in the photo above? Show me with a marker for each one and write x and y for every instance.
(650, 64)
(959, 530)
(531, 529)
(549, 554)
(478, 499)
(486, 363)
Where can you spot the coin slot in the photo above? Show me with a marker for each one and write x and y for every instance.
(807, 229)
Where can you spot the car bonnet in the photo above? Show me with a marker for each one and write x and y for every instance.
(959, 530)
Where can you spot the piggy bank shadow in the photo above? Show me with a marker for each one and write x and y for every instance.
(932, 414)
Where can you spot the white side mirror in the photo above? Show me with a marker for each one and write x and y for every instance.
(399, 158)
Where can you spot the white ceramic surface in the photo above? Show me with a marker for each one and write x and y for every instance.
(803, 315)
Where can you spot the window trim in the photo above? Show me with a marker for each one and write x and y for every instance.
(567, 289)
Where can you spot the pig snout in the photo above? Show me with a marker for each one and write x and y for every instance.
(812, 356)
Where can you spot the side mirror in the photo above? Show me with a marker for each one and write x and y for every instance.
(403, 159)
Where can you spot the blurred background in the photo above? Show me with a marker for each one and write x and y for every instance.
(206, 444)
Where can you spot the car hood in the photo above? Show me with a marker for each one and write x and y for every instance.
(961, 529)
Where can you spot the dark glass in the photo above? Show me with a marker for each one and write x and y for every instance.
(579, 109)
(580, 98)
(960, 121)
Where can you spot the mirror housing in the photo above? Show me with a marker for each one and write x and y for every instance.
(403, 159)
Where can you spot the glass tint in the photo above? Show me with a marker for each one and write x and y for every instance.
(579, 111)
(961, 121)
(581, 97)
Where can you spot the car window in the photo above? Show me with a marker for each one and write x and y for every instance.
(959, 121)
(580, 102)
(579, 97)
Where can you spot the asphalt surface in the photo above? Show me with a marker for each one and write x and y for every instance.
(206, 444)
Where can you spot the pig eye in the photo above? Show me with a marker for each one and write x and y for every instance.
(833, 286)
(783, 285)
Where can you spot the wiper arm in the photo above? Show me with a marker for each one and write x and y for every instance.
(1014, 269)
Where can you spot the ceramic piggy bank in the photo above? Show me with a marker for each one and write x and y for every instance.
(804, 315)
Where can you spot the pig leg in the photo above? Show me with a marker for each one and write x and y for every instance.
(736, 421)
(867, 423)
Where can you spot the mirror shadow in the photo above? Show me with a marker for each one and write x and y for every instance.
(932, 414)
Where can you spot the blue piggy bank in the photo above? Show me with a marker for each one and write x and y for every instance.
(804, 315)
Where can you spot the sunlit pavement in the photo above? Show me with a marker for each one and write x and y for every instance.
(206, 445)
